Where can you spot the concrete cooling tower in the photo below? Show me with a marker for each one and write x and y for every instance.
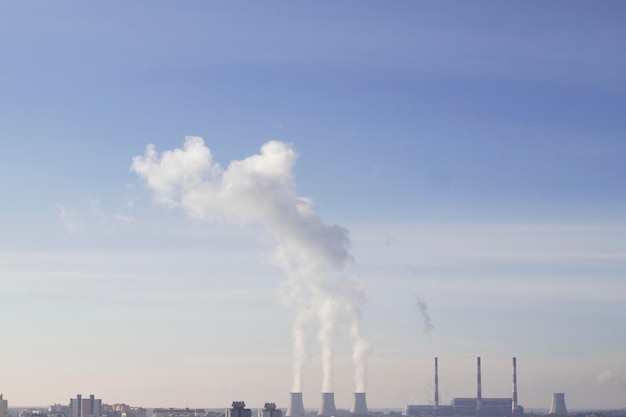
(327, 408)
(296, 407)
(558, 404)
(359, 406)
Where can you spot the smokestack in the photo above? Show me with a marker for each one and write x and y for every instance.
(558, 404)
(359, 406)
(436, 408)
(296, 407)
(479, 395)
(514, 398)
(327, 408)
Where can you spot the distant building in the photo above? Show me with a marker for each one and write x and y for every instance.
(500, 407)
(119, 407)
(428, 410)
(238, 409)
(270, 410)
(180, 412)
(135, 412)
(4, 407)
(85, 407)
(489, 407)
(59, 409)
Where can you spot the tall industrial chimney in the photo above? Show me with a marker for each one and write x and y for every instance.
(327, 408)
(359, 406)
(436, 407)
(479, 395)
(514, 398)
(558, 404)
(296, 407)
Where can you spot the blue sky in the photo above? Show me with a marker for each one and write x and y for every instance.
(473, 150)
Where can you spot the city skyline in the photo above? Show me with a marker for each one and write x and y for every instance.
(457, 167)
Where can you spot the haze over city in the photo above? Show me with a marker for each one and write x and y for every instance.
(215, 201)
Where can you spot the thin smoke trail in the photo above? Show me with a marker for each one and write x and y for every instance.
(423, 308)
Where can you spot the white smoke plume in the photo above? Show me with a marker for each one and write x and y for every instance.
(299, 350)
(423, 308)
(352, 289)
(261, 189)
(328, 324)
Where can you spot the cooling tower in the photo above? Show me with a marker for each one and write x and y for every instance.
(296, 407)
(359, 406)
(558, 404)
(327, 408)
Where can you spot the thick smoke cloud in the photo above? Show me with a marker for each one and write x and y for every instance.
(261, 189)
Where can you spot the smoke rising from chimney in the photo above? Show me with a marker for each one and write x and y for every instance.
(327, 317)
(261, 189)
(423, 308)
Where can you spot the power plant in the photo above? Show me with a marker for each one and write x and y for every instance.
(479, 406)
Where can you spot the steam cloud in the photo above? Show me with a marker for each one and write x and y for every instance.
(261, 189)
(423, 308)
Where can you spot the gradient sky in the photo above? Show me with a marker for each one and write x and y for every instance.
(475, 151)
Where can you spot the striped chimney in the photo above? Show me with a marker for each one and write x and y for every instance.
(479, 395)
(436, 409)
(514, 399)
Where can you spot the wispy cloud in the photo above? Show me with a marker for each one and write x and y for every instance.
(123, 214)
(94, 207)
(122, 218)
(68, 218)
(130, 197)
